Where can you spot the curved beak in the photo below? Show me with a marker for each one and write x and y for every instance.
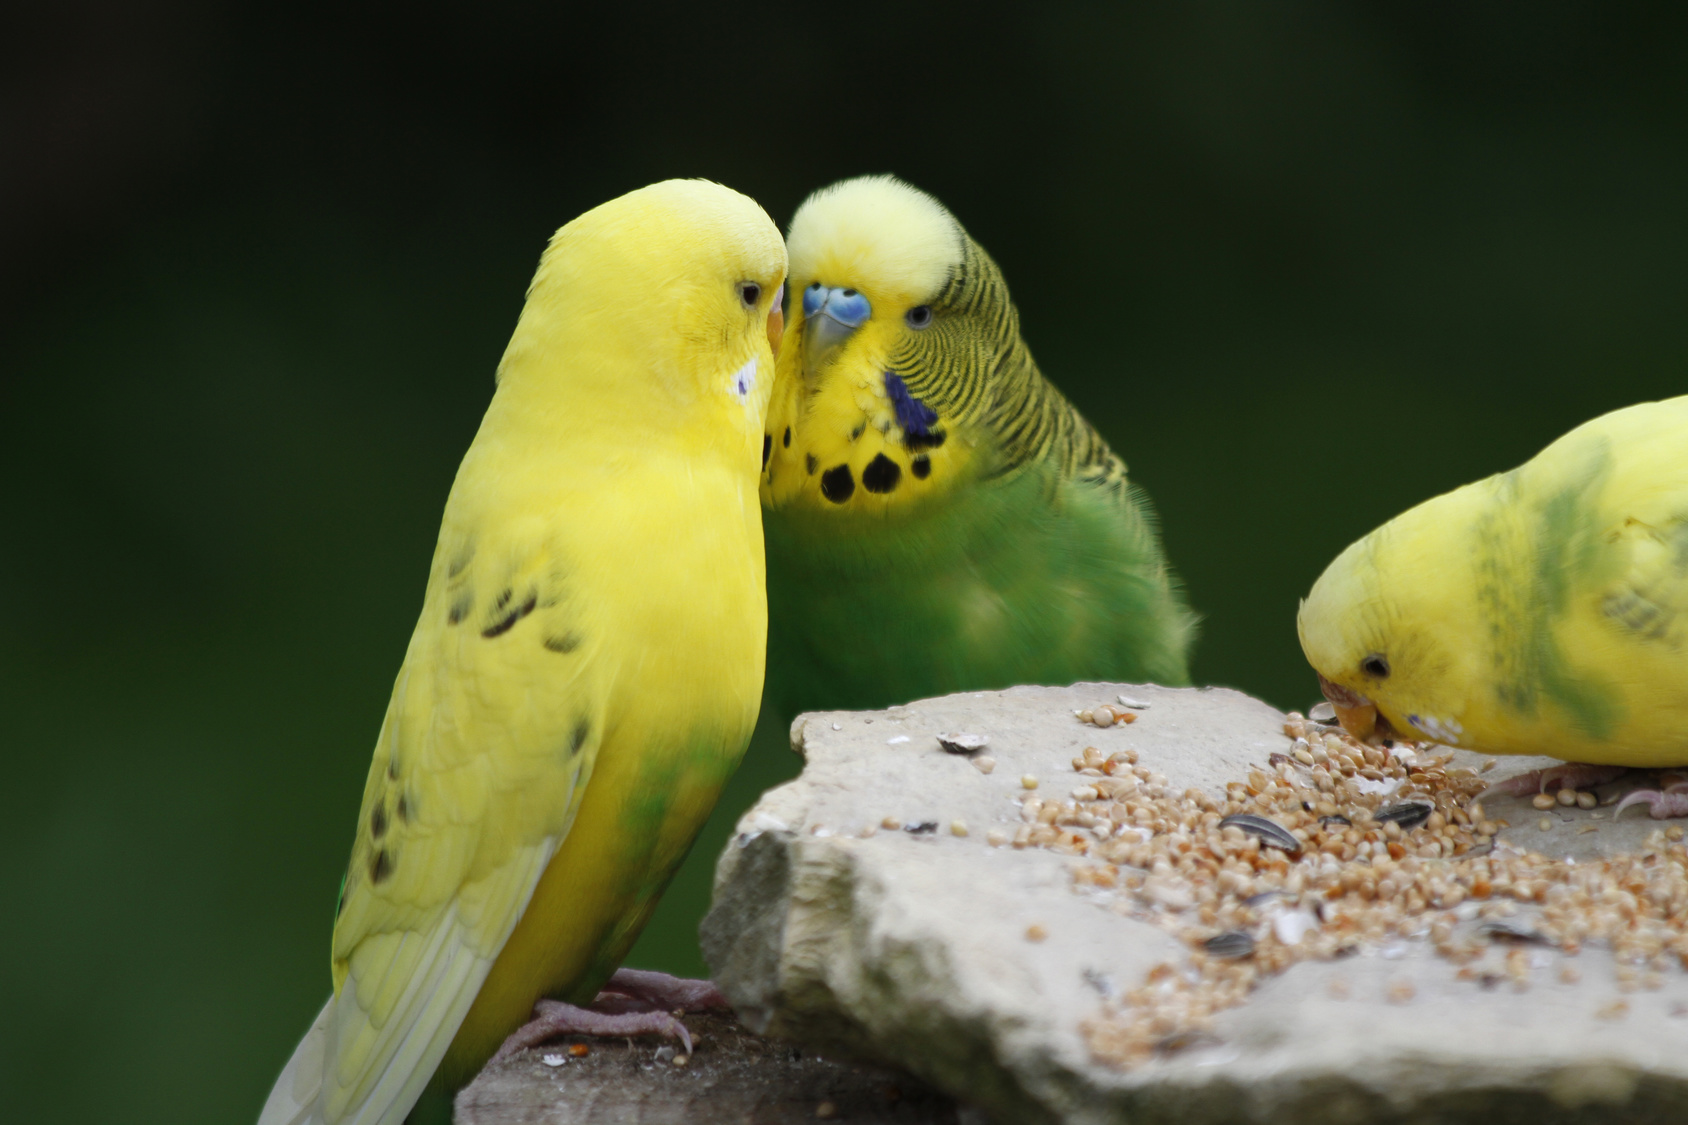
(1357, 714)
(830, 315)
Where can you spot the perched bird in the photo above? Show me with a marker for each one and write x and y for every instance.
(939, 518)
(588, 663)
(1540, 611)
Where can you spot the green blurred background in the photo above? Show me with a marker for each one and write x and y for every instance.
(1304, 264)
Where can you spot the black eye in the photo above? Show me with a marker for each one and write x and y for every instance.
(749, 292)
(1376, 665)
(919, 316)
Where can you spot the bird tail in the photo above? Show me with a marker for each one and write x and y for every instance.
(295, 1098)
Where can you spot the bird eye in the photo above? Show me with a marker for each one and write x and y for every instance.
(749, 292)
(919, 316)
(1376, 665)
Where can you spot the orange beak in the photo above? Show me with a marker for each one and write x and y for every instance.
(776, 322)
(1356, 713)
(1361, 721)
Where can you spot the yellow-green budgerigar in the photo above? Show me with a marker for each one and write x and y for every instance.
(1540, 611)
(588, 663)
(939, 517)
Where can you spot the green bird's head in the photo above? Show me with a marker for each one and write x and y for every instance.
(903, 366)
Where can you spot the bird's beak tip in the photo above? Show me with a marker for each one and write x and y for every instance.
(1359, 721)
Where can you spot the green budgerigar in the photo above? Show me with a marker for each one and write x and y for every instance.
(938, 517)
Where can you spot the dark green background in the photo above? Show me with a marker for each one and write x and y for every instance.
(1304, 264)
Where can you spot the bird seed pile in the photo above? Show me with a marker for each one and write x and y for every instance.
(1331, 849)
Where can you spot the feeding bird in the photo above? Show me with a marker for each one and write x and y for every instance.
(587, 667)
(1540, 611)
(939, 518)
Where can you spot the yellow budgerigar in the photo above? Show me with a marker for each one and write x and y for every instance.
(1540, 611)
(588, 663)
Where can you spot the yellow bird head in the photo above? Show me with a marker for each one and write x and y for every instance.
(899, 320)
(662, 304)
(1392, 628)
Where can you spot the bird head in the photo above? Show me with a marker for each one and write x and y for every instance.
(1388, 631)
(662, 303)
(898, 318)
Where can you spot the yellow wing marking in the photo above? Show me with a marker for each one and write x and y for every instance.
(487, 747)
(1650, 601)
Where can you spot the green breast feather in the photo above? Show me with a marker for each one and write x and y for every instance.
(1004, 584)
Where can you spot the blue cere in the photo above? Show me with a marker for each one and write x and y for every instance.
(849, 307)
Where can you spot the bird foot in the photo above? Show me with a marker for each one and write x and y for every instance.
(661, 991)
(1673, 801)
(1571, 775)
(634, 1002)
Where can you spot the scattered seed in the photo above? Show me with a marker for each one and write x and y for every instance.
(1028, 781)
(1134, 704)
(891, 822)
(1586, 800)
(984, 763)
(996, 837)
(963, 743)
(1362, 878)
(1545, 824)
(826, 1109)
(1229, 945)
(579, 1050)
(1616, 1010)
(1567, 796)
(1270, 832)
(1035, 932)
(1544, 801)
(1406, 816)
(958, 828)
(1508, 930)
(1322, 713)
(554, 1060)
(920, 827)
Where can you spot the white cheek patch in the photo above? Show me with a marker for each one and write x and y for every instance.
(741, 384)
(1447, 731)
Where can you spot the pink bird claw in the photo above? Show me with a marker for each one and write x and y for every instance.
(661, 991)
(1672, 802)
(634, 1002)
(1571, 775)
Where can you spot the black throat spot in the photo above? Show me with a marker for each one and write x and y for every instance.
(881, 474)
(838, 484)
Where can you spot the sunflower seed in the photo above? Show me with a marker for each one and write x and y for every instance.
(1229, 945)
(1271, 833)
(1408, 814)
